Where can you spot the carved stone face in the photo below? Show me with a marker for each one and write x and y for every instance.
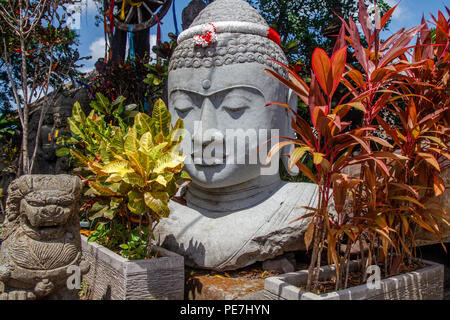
(62, 112)
(43, 205)
(44, 212)
(229, 97)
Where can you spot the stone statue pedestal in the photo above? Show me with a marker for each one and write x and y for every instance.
(232, 240)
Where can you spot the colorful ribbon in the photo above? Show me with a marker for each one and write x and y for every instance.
(175, 18)
(131, 42)
(131, 3)
(158, 30)
(111, 17)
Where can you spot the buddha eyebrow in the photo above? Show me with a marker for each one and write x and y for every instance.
(184, 90)
(240, 96)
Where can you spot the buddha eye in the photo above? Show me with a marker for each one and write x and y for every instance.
(235, 111)
(183, 110)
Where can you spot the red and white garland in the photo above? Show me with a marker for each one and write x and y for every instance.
(207, 37)
(206, 34)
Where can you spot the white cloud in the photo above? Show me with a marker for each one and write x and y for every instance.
(80, 10)
(401, 13)
(96, 50)
(152, 43)
(90, 5)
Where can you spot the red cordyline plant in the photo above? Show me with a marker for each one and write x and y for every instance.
(414, 91)
(384, 204)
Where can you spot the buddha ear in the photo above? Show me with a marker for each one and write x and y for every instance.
(292, 101)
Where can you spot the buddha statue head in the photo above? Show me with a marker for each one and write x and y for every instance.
(63, 106)
(218, 86)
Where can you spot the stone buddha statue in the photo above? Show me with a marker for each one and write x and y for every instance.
(238, 210)
(46, 146)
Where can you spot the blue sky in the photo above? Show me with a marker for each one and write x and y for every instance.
(408, 14)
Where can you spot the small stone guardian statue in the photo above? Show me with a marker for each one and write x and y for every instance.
(41, 238)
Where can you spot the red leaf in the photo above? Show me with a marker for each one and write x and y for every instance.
(307, 172)
(387, 15)
(301, 88)
(340, 41)
(425, 38)
(400, 45)
(428, 157)
(357, 77)
(356, 43)
(438, 185)
(391, 40)
(318, 112)
(321, 65)
(363, 17)
(315, 97)
(298, 90)
(338, 61)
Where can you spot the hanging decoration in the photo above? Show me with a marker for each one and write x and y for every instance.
(131, 54)
(175, 22)
(141, 14)
(111, 16)
(158, 30)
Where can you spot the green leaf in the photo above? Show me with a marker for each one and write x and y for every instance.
(183, 179)
(161, 118)
(118, 167)
(114, 178)
(157, 202)
(109, 214)
(101, 190)
(103, 102)
(169, 162)
(131, 143)
(119, 100)
(97, 107)
(146, 142)
(161, 180)
(177, 133)
(136, 202)
(76, 129)
(297, 155)
(78, 114)
(134, 179)
(142, 123)
(62, 152)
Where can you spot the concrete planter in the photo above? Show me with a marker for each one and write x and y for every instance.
(423, 284)
(112, 277)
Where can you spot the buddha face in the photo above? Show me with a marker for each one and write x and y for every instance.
(62, 112)
(219, 106)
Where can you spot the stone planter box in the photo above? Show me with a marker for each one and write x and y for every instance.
(112, 277)
(423, 284)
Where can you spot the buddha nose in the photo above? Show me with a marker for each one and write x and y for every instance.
(208, 121)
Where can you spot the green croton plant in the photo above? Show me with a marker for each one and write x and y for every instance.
(132, 171)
